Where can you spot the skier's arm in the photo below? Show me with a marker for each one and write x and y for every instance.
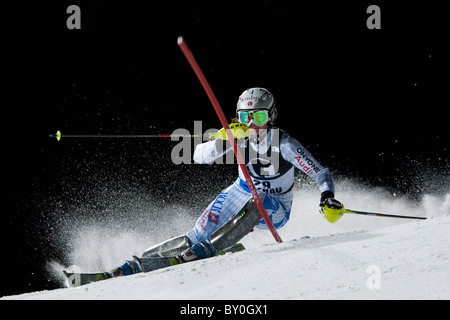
(206, 153)
(295, 153)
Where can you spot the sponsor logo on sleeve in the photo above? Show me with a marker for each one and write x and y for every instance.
(305, 162)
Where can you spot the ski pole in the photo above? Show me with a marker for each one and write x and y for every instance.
(239, 130)
(381, 214)
(201, 77)
(58, 135)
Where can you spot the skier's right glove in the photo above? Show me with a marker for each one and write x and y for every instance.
(239, 130)
(330, 208)
(240, 133)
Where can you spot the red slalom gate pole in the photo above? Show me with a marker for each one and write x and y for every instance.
(190, 57)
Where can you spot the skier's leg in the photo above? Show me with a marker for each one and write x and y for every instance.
(226, 205)
(278, 208)
(226, 209)
(195, 244)
(226, 236)
(226, 220)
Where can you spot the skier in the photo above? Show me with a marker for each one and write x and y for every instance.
(270, 156)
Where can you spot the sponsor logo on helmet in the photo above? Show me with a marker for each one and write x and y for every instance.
(250, 103)
(254, 98)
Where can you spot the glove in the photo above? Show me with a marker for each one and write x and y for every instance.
(331, 203)
(330, 208)
(239, 130)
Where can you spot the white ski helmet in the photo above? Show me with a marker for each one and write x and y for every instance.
(257, 98)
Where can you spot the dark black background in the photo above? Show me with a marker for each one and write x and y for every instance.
(367, 103)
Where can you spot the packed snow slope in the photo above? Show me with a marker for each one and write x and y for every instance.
(359, 257)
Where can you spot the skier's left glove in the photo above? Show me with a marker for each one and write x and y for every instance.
(330, 208)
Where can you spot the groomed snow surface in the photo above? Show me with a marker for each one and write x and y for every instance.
(359, 257)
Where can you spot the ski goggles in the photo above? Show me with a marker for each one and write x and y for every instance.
(260, 117)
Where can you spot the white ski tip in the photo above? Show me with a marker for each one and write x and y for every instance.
(180, 40)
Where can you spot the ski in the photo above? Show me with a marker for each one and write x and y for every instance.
(76, 279)
(145, 264)
(148, 264)
(151, 264)
(236, 248)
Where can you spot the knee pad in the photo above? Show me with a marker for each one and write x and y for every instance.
(168, 248)
(237, 228)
